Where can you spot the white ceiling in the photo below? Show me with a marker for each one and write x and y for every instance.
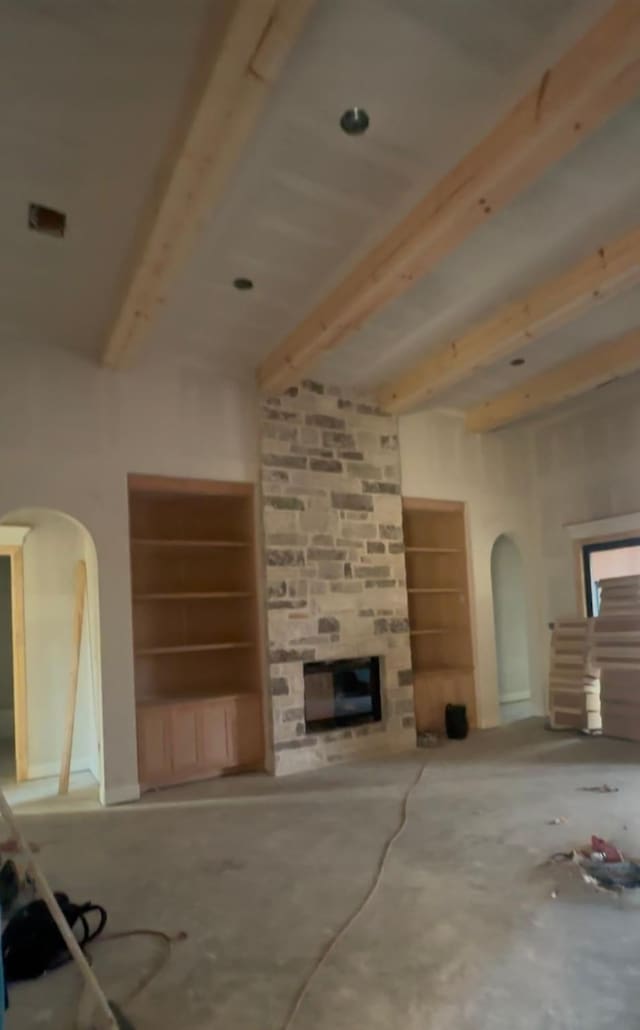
(99, 89)
(92, 94)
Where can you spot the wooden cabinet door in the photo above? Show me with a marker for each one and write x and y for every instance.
(244, 731)
(154, 745)
(212, 736)
(184, 740)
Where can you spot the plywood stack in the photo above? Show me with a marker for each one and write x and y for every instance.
(574, 685)
(617, 651)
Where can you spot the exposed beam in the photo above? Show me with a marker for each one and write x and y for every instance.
(593, 79)
(611, 269)
(257, 38)
(607, 361)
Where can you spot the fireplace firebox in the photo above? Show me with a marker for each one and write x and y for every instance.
(345, 692)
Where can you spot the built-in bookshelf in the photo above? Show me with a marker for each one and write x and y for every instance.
(439, 612)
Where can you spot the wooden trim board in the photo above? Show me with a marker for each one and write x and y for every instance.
(611, 360)
(174, 484)
(428, 504)
(595, 78)
(613, 268)
(14, 552)
(247, 59)
(80, 595)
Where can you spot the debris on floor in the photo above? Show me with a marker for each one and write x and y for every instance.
(603, 865)
(428, 739)
(601, 850)
(557, 821)
(603, 788)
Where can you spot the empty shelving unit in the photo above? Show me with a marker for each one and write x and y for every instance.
(439, 617)
(195, 629)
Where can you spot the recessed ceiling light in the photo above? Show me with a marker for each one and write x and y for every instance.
(517, 361)
(46, 220)
(354, 121)
(243, 284)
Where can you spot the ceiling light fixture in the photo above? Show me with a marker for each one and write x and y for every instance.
(517, 361)
(354, 121)
(243, 284)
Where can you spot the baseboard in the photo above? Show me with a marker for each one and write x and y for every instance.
(41, 770)
(512, 699)
(120, 795)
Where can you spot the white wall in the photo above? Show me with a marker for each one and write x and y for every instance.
(69, 434)
(493, 474)
(6, 653)
(511, 623)
(586, 467)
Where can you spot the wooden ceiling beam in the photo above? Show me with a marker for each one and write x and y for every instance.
(572, 99)
(257, 38)
(611, 269)
(611, 360)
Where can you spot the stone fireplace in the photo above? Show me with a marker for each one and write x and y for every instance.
(334, 559)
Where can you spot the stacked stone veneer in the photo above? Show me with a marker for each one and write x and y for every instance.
(334, 559)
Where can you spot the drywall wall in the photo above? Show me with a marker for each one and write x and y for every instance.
(492, 474)
(51, 551)
(69, 434)
(6, 651)
(586, 468)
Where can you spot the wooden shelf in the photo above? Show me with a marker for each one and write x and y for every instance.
(435, 590)
(191, 594)
(433, 550)
(188, 699)
(185, 542)
(440, 669)
(439, 609)
(188, 648)
(193, 578)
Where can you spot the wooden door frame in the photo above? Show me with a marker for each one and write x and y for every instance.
(14, 553)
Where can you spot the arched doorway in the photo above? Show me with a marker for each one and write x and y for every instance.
(511, 633)
(53, 546)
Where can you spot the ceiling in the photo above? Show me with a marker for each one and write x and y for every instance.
(100, 88)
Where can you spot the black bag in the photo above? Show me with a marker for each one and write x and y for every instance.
(33, 945)
(455, 720)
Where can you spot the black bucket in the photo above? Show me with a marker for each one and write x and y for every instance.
(455, 721)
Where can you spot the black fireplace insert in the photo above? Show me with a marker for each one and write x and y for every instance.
(341, 693)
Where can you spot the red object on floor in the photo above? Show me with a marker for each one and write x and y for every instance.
(604, 847)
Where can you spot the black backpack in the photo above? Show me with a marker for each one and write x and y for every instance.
(33, 945)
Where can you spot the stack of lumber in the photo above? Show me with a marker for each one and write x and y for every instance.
(574, 684)
(617, 651)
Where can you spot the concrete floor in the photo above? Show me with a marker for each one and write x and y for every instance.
(463, 934)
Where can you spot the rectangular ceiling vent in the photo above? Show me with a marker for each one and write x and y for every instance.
(46, 220)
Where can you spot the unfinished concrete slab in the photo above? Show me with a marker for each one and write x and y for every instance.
(463, 932)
